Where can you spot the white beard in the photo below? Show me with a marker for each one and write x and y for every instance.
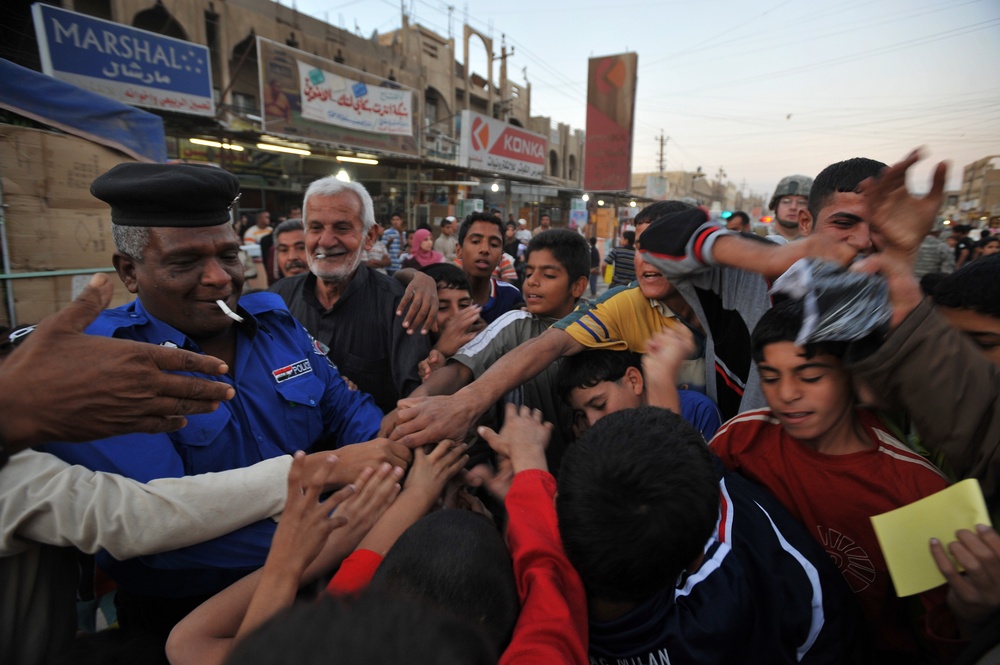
(344, 271)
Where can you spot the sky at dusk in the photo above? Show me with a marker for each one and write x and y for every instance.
(761, 88)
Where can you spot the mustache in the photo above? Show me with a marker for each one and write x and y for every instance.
(295, 263)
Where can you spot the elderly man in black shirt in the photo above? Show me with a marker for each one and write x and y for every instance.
(347, 307)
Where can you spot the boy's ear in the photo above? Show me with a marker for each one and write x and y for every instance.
(805, 222)
(579, 287)
(634, 380)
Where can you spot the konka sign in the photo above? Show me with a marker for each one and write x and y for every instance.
(494, 146)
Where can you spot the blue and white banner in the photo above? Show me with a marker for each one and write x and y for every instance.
(127, 64)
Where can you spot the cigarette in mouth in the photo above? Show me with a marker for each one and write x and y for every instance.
(228, 312)
(319, 256)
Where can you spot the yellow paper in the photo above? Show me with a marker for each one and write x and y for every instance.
(905, 533)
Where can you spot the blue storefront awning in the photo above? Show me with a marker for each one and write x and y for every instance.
(82, 113)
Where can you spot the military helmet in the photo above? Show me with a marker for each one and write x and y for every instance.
(791, 185)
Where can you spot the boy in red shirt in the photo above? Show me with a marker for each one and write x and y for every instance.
(833, 465)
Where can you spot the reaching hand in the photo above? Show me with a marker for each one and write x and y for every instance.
(64, 385)
(306, 522)
(431, 471)
(902, 220)
(666, 351)
(420, 303)
(497, 482)
(434, 360)
(375, 492)
(355, 457)
(423, 420)
(459, 330)
(973, 595)
(904, 290)
(523, 438)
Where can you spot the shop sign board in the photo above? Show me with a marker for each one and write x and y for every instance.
(305, 97)
(493, 145)
(127, 64)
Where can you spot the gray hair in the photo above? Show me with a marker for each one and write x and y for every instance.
(130, 240)
(330, 186)
(288, 225)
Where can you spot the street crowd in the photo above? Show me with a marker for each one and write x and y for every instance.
(448, 445)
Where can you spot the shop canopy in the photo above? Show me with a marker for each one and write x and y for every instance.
(82, 113)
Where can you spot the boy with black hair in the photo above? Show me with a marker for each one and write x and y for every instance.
(458, 318)
(837, 207)
(831, 464)
(556, 269)
(480, 247)
(683, 562)
(969, 299)
(596, 383)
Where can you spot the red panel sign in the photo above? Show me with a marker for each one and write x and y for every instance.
(611, 84)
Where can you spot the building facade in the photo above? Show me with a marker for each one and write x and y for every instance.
(427, 182)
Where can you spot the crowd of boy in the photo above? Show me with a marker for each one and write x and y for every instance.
(499, 473)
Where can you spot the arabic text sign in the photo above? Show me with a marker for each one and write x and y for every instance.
(131, 65)
(328, 97)
(289, 77)
(493, 145)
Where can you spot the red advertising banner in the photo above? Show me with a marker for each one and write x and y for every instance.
(493, 145)
(611, 82)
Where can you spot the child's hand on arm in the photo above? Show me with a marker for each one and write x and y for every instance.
(523, 438)
(665, 351)
(973, 595)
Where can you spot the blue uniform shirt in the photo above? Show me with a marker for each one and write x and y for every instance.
(288, 397)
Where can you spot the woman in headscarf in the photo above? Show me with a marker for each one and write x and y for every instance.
(421, 251)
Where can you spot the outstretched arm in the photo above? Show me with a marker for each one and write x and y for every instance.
(431, 419)
(97, 387)
(208, 634)
(771, 260)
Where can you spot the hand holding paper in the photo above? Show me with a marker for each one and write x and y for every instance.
(973, 595)
(904, 533)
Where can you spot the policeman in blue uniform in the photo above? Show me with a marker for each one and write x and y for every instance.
(177, 251)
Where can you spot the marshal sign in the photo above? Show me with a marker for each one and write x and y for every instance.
(496, 147)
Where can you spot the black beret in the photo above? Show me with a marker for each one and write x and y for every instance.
(167, 194)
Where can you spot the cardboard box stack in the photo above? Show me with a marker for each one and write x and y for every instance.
(52, 221)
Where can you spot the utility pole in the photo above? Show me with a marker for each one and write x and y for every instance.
(719, 175)
(663, 144)
(505, 99)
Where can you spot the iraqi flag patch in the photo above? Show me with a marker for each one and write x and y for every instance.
(291, 371)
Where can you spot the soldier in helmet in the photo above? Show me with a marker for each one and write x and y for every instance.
(790, 196)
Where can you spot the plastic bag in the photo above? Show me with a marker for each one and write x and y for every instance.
(838, 305)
